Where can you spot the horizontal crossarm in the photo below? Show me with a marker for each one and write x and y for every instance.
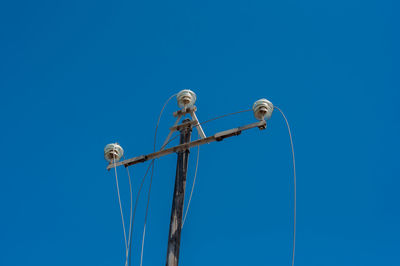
(217, 137)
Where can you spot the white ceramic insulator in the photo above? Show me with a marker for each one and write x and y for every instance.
(113, 151)
(186, 98)
(263, 109)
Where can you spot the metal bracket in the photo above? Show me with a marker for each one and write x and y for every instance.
(195, 122)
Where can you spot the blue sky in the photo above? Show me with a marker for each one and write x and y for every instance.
(76, 75)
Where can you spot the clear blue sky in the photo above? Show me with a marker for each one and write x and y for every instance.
(76, 75)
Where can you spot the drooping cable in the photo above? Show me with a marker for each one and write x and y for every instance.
(120, 206)
(151, 178)
(131, 213)
(194, 183)
(159, 118)
(134, 210)
(147, 211)
(294, 182)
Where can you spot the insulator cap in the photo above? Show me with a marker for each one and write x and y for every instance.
(113, 151)
(186, 98)
(263, 109)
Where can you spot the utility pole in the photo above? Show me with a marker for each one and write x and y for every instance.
(113, 153)
(175, 227)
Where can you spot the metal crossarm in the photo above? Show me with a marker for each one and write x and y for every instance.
(217, 137)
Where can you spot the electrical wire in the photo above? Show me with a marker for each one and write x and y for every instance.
(134, 210)
(120, 206)
(294, 183)
(173, 138)
(151, 178)
(140, 188)
(130, 218)
(159, 118)
(198, 155)
(194, 182)
(222, 116)
(147, 211)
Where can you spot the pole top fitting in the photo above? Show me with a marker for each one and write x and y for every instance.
(186, 98)
(263, 109)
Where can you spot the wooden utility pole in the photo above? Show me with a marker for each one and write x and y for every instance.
(186, 98)
(182, 150)
(175, 227)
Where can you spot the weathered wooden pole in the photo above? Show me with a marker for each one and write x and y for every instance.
(174, 238)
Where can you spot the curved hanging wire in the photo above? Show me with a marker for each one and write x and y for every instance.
(194, 183)
(134, 210)
(127, 242)
(120, 205)
(151, 178)
(147, 211)
(294, 183)
(131, 213)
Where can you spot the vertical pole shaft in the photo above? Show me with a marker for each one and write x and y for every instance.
(175, 226)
